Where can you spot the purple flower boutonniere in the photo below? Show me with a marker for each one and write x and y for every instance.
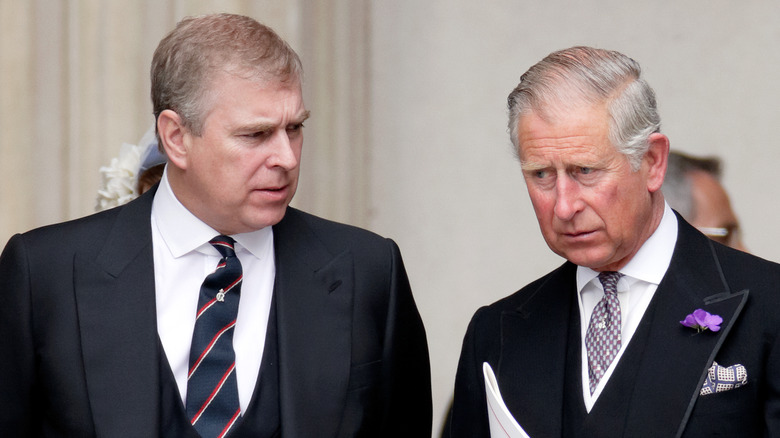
(702, 320)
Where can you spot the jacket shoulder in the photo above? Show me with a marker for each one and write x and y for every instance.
(334, 235)
(488, 318)
(88, 233)
(563, 273)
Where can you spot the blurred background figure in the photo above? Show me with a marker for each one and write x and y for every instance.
(692, 187)
(133, 172)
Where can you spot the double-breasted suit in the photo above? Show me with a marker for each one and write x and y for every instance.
(80, 354)
(532, 341)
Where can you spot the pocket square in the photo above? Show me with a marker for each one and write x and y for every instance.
(721, 379)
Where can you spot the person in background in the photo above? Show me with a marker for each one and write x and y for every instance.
(692, 187)
(207, 306)
(137, 169)
(649, 328)
(149, 178)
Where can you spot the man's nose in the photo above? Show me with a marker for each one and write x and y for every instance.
(284, 152)
(567, 198)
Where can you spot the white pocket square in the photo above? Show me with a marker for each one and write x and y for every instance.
(721, 379)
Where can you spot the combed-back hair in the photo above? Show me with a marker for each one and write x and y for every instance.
(585, 76)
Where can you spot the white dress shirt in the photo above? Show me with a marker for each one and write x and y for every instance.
(182, 260)
(635, 289)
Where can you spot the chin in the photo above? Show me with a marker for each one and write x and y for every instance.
(586, 260)
(268, 219)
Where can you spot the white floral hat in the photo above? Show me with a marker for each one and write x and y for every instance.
(120, 178)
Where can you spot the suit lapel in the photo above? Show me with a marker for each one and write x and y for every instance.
(676, 358)
(532, 383)
(116, 307)
(314, 291)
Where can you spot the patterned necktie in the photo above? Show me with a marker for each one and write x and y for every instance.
(603, 336)
(212, 392)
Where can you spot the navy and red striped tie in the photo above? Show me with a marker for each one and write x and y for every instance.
(212, 391)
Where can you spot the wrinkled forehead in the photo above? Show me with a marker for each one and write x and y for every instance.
(571, 116)
(577, 130)
(561, 103)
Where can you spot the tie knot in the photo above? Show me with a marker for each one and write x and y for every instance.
(609, 279)
(225, 245)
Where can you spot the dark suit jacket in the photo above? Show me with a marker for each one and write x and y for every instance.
(524, 338)
(80, 356)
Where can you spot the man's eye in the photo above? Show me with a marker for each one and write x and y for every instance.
(541, 174)
(586, 170)
(257, 134)
(295, 127)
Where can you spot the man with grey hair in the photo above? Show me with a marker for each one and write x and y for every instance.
(649, 329)
(692, 188)
(139, 322)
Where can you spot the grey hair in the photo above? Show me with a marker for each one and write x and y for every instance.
(585, 75)
(187, 59)
(677, 184)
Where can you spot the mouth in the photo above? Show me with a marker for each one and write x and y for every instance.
(274, 192)
(578, 235)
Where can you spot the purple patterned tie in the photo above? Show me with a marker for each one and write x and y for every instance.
(212, 391)
(603, 336)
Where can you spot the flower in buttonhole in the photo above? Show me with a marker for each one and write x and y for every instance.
(702, 320)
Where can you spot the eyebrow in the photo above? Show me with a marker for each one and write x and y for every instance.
(305, 115)
(267, 126)
(531, 166)
(300, 118)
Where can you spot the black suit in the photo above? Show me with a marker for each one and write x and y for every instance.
(78, 332)
(532, 341)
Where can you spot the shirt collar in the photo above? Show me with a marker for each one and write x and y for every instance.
(652, 260)
(182, 232)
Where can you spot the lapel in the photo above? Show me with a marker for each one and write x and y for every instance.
(117, 320)
(314, 292)
(532, 383)
(676, 358)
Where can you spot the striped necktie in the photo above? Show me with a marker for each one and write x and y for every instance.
(603, 336)
(212, 392)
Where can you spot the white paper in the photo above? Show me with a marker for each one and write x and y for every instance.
(502, 423)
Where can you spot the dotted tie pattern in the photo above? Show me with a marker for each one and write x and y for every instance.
(602, 339)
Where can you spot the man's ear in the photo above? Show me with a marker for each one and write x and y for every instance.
(656, 158)
(174, 137)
